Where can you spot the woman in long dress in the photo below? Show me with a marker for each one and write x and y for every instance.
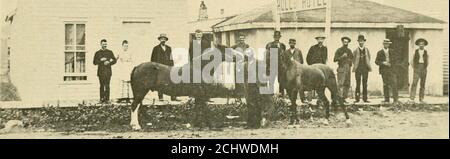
(125, 65)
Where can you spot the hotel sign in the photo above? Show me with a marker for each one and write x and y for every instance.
(285, 6)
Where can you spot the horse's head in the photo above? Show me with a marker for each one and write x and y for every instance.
(287, 61)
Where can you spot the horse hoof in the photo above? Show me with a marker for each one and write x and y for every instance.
(136, 127)
(348, 122)
(326, 122)
(263, 122)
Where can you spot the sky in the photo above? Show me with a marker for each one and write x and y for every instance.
(434, 8)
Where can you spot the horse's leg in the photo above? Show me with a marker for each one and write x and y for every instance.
(293, 108)
(137, 102)
(326, 104)
(200, 112)
(337, 99)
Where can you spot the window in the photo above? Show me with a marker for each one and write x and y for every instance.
(75, 52)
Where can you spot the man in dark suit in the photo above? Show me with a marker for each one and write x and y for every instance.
(419, 64)
(317, 53)
(162, 54)
(104, 58)
(388, 61)
(344, 58)
(361, 68)
(276, 44)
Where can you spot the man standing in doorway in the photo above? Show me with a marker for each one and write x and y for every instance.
(419, 64)
(344, 58)
(162, 54)
(387, 61)
(199, 40)
(276, 44)
(241, 46)
(104, 58)
(361, 68)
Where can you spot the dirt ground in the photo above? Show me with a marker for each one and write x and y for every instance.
(366, 124)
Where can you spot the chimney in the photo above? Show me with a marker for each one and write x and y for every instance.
(203, 12)
(222, 12)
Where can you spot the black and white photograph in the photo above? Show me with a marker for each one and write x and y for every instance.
(224, 69)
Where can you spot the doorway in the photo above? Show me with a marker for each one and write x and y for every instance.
(400, 42)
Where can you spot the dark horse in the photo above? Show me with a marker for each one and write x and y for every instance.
(317, 77)
(152, 76)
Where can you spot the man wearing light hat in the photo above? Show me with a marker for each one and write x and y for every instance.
(276, 44)
(387, 61)
(162, 54)
(344, 58)
(317, 53)
(419, 64)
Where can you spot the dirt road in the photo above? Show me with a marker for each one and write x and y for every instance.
(386, 124)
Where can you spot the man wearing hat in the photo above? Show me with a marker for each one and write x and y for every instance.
(162, 54)
(361, 67)
(295, 54)
(276, 44)
(387, 59)
(344, 58)
(419, 64)
(317, 53)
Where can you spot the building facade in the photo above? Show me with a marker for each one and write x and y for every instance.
(351, 18)
(54, 42)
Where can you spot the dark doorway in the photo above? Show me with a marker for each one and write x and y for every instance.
(400, 43)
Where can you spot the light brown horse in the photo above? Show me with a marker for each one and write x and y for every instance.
(317, 77)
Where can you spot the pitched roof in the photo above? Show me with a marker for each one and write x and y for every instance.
(206, 25)
(343, 11)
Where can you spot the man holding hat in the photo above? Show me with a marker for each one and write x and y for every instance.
(276, 44)
(387, 60)
(419, 64)
(344, 58)
(162, 54)
(361, 67)
(317, 53)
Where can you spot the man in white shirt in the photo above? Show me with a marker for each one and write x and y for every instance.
(419, 64)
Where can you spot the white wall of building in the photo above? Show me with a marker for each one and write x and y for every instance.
(37, 65)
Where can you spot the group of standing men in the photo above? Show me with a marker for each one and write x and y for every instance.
(357, 61)
(105, 59)
(387, 59)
